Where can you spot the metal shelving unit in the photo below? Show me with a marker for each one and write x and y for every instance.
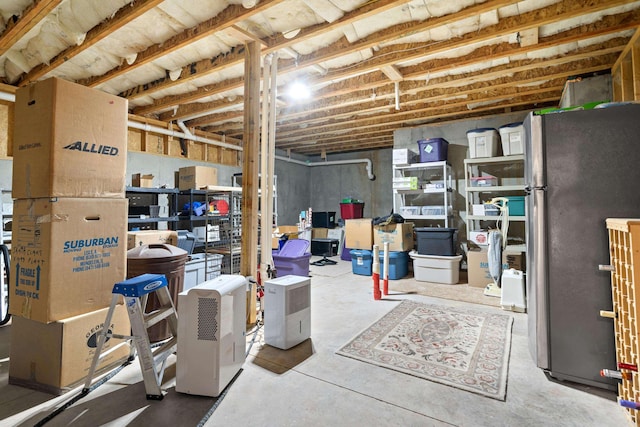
(508, 172)
(432, 199)
(225, 235)
(141, 199)
(236, 181)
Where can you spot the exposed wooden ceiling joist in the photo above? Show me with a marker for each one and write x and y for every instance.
(18, 26)
(374, 66)
(609, 25)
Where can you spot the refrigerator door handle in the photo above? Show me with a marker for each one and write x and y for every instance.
(529, 189)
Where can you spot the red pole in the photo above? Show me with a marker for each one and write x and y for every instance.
(376, 273)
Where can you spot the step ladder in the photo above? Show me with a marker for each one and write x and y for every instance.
(152, 362)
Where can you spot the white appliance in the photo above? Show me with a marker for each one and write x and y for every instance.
(211, 335)
(287, 311)
(513, 295)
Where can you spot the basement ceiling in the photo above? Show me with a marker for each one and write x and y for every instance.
(372, 66)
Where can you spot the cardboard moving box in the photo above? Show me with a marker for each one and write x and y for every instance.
(319, 233)
(68, 141)
(196, 177)
(478, 265)
(139, 180)
(55, 357)
(399, 236)
(66, 255)
(359, 233)
(151, 237)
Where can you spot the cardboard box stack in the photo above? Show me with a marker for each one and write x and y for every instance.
(478, 264)
(70, 233)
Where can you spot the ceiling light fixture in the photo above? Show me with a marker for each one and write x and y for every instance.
(299, 91)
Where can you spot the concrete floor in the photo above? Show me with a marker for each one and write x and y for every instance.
(310, 385)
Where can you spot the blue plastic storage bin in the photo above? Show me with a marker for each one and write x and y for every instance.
(433, 150)
(361, 261)
(398, 265)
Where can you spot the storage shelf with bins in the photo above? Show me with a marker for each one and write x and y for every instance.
(505, 176)
(144, 206)
(624, 239)
(432, 199)
(225, 234)
(236, 181)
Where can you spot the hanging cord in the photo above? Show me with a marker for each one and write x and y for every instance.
(502, 223)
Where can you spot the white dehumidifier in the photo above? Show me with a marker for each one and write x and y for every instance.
(513, 294)
(211, 335)
(287, 311)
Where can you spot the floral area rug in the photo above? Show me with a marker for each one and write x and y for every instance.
(463, 348)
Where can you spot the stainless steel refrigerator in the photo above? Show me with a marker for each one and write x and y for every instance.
(581, 167)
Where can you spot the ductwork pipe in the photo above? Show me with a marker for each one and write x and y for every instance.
(184, 128)
(5, 96)
(185, 135)
(369, 164)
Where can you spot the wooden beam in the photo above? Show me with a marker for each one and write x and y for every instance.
(121, 18)
(627, 49)
(251, 157)
(635, 59)
(627, 79)
(388, 56)
(202, 68)
(367, 10)
(590, 58)
(392, 73)
(528, 37)
(407, 52)
(17, 27)
(243, 35)
(230, 16)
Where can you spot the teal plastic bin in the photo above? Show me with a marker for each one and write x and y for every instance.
(516, 205)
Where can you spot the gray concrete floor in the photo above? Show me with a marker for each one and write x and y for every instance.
(310, 385)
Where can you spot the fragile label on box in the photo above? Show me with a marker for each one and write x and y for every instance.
(66, 256)
(479, 237)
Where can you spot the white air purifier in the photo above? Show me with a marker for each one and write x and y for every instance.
(287, 311)
(211, 335)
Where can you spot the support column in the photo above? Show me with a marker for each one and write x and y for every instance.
(251, 152)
